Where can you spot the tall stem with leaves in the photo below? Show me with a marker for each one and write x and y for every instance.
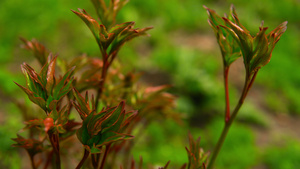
(235, 41)
(110, 38)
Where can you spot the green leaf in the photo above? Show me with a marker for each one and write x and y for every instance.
(89, 21)
(60, 128)
(126, 35)
(110, 137)
(61, 84)
(39, 50)
(111, 120)
(37, 100)
(82, 107)
(82, 133)
(94, 140)
(244, 38)
(51, 76)
(37, 123)
(95, 150)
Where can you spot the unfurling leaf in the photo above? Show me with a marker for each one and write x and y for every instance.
(107, 14)
(44, 89)
(32, 146)
(256, 50)
(103, 128)
(196, 155)
(226, 40)
(39, 50)
(110, 40)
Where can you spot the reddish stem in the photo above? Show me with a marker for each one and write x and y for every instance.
(32, 161)
(102, 81)
(54, 140)
(252, 80)
(49, 159)
(104, 157)
(95, 160)
(227, 108)
(85, 156)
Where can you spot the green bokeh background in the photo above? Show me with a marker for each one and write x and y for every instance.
(181, 51)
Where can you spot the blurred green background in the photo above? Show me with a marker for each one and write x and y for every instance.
(181, 51)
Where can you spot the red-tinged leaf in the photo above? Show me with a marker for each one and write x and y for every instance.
(80, 61)
(111, 137)
(93, 103)
(83, 133)
(66, 89)
(43, 74)
(107, 14)
(129, 119)
(39, 50)
(117, 29)
(51, 76)
(279, 30)
(61, 84)
(232, 33)
(82, 107)
(96, 123)
(115, 115)
(261, 51)
(260, 41)
(52, 104)
(214, 19)
(107, 38)
(116, 125)
(156, 89)
(126, 35)
(95, 150)
(48, 102)
(60, 129)
(82, 114)
(70, 128)
(103, 32)
(64, 115)
(236, 19)
(37, 100)
(33, 82)
(245, 38)
(54, 113)
(36, 123)
(100, 7)
(196, 155)
(32, 146)
(94, 140)
(90, 22)
(226, 37)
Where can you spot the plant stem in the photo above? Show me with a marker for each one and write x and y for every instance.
(227, 108)
(95, 160)
(54, 140)
(102, 81)
(104, 157)
(32, 161)
(247, 86)
(85, 156)
(49, 158)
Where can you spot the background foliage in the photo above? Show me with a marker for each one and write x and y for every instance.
(181, 51)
